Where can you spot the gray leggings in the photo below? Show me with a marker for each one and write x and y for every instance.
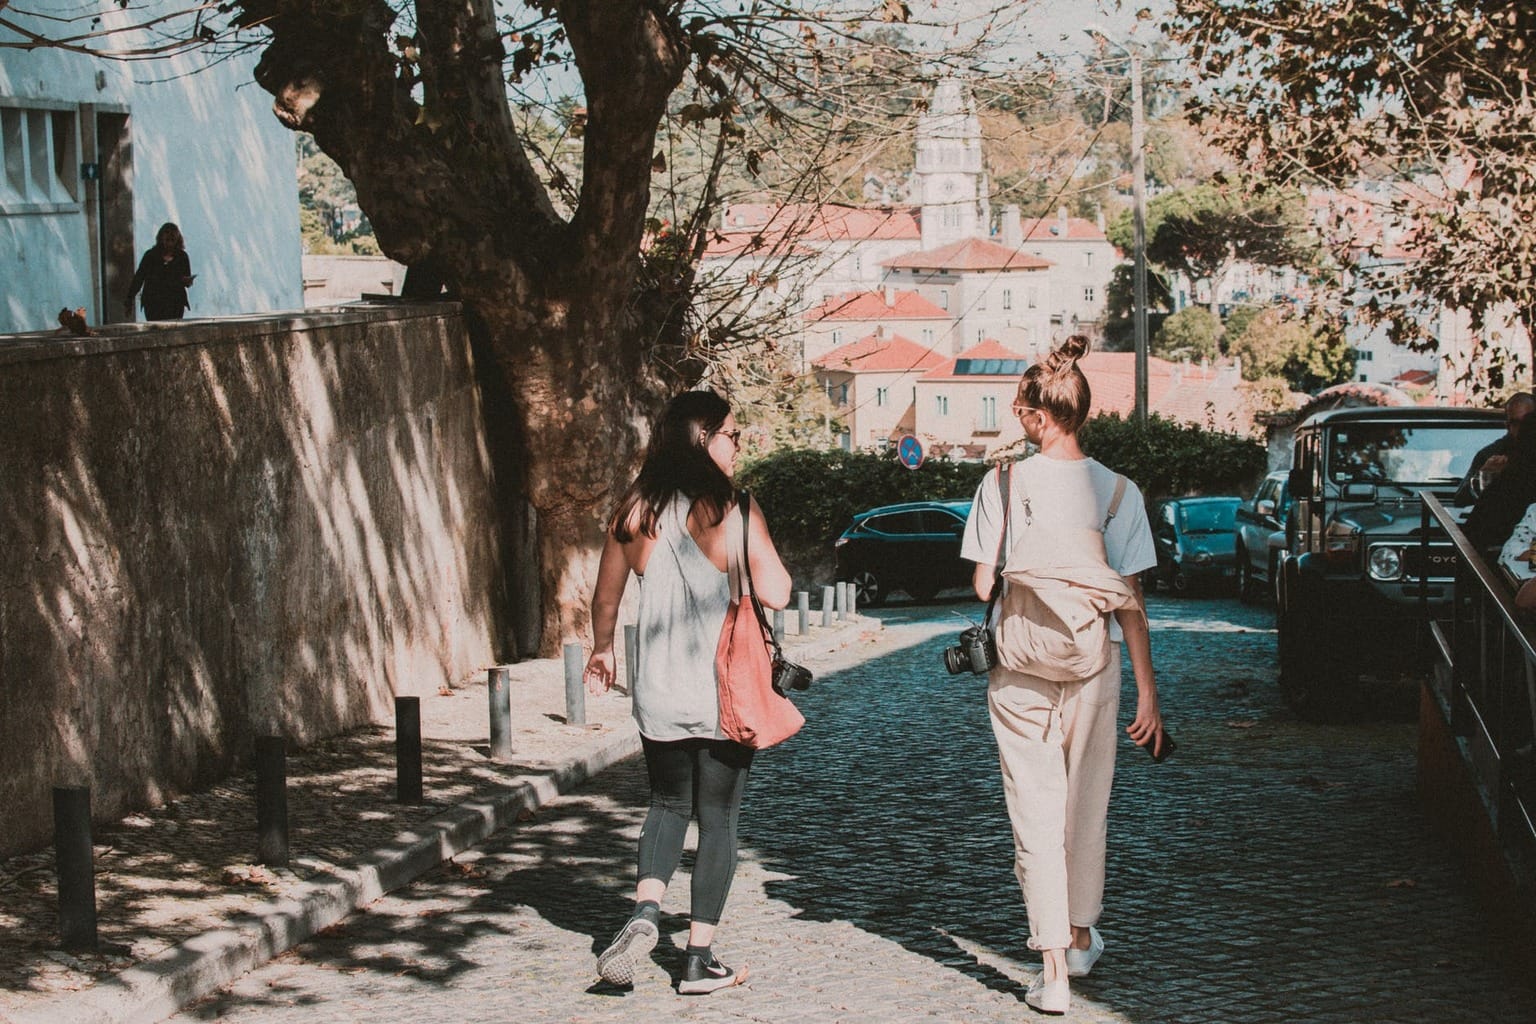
(709, 775)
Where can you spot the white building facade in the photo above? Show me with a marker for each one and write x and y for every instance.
(98, 154)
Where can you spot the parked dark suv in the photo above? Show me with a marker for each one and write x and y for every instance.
(913, 547)
(1353, 575)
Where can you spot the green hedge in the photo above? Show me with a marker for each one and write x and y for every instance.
(1169, 459)
(812, 495)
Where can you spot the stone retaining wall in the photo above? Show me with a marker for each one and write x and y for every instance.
(219, 528)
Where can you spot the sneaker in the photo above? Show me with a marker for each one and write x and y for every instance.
(1051, 997)
(1081, 961)
(629, 948)
(703, 975)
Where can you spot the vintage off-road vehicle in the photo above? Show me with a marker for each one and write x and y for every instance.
(1354, 575)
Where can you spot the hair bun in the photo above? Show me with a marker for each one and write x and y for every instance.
(1064, 357)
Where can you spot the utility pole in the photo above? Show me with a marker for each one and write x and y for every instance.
(1138, 215)
(1139, 196)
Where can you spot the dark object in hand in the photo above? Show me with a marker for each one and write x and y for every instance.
(976, 651)
(1163, 753)
(789, 676)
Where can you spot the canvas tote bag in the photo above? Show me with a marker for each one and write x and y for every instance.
(752, 712)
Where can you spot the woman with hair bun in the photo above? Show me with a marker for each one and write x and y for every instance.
(1056, 740)
(672, 530)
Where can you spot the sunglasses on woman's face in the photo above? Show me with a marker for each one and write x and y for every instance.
(734, 435)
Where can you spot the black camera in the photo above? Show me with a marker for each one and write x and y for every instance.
(976, 652)
(789, 676)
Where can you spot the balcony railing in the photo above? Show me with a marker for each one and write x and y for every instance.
(1484, 681)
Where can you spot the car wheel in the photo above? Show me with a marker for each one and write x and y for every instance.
(923, 592)
(868, 592)
(1314, 682)
(1179, 582)
(1247, 586)
(1149, 580)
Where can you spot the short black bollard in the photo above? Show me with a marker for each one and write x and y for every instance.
(575, 692)
(76, 868)
(408, 750)
(498, 688)
(271, 801)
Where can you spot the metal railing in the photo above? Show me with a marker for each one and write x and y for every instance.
(1484, 681)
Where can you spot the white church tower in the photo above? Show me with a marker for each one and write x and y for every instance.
(949, 181)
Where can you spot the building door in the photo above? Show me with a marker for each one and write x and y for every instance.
(114, 224)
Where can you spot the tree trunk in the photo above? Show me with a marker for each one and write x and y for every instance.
(563, 334)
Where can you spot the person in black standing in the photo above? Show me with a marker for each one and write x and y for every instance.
(164, 274)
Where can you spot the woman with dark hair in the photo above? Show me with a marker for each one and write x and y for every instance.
(672, 529)
(1056, 740)
(1506, 498)
(165, 274)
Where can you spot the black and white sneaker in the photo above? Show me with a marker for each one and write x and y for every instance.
(705, 974)
(633, 943)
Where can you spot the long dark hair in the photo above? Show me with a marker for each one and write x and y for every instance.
(677, 462)
(1056, 385)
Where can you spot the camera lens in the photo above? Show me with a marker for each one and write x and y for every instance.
(955, 660)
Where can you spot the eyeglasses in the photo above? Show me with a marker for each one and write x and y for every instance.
(734, 435)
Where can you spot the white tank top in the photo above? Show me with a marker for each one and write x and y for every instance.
(683, 600)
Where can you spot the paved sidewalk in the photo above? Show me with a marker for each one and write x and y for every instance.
(182, 909)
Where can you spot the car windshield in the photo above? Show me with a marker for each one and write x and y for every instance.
(1208, 517)
(1404, 454)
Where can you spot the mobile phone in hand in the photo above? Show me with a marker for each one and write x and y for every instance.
(1162, 753)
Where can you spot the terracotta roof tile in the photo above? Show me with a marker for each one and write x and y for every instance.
(969, 254)
(874, 352)
(988, 349)
(872, 306)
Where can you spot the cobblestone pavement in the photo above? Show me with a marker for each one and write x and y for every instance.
(1272, 871)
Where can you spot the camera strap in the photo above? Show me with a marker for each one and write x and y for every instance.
(1004, 490)
(748, 592)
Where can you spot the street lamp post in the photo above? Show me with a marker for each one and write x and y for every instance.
(1138, 216)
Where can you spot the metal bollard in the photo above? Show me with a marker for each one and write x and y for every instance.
(498, 688)
(575, 693)
(408, 750)
(778, 624)
(803, 606)
(631, 655)
(271, 801)
(75, 866)
(827, 602)
(851, 604)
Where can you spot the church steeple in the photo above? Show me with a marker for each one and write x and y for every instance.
(949, 182)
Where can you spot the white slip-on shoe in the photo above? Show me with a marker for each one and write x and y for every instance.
(1049, 996)
(1081, 961)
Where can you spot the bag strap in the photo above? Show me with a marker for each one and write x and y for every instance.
(1005, 491)
(1114, 503)
(744, 500)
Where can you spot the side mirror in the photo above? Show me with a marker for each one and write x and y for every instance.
(1265, 508)
(1300, 484)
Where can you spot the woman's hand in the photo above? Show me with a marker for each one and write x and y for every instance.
(1147, 726)
(600, 672)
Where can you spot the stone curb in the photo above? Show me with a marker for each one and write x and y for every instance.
(160, 987)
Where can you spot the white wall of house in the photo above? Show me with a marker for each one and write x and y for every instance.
(206, 153)
(972, 410)
(1013, 307)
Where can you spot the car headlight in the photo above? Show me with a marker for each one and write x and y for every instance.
(1385, 563)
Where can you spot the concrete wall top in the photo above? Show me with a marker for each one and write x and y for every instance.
(42, 346)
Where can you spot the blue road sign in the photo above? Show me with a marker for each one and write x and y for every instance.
(909, 451)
